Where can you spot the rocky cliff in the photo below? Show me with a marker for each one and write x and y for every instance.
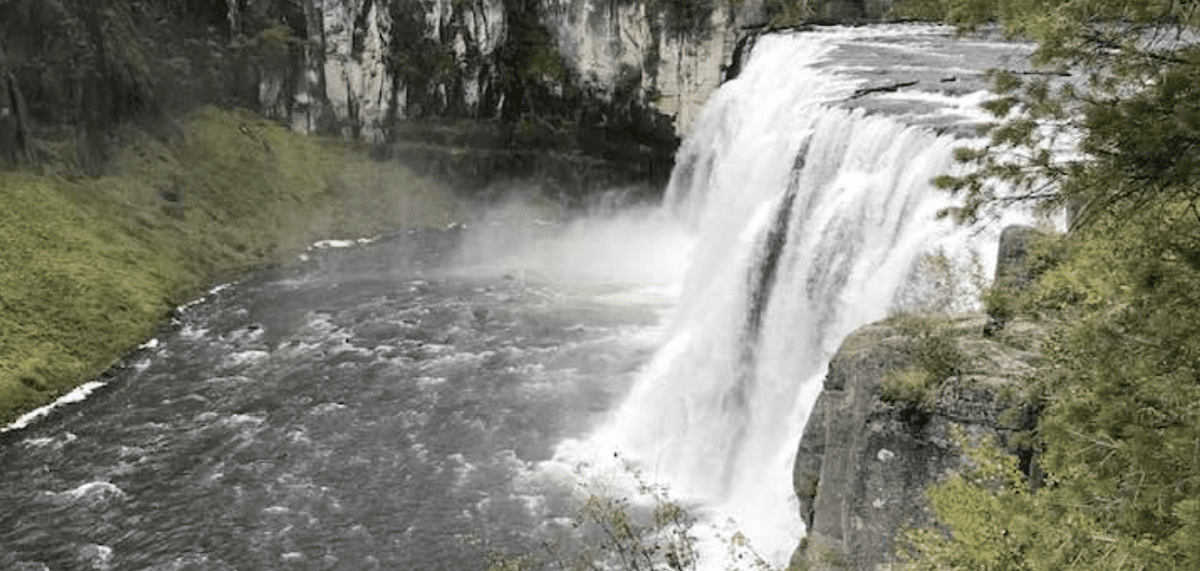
(481, 87)
(885, 426)
(874, 442)
(369, 62)
(568, 90)
(564, 89)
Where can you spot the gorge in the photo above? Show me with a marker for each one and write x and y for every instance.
(427, 398)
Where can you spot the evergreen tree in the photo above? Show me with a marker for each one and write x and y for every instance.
(1120, 388)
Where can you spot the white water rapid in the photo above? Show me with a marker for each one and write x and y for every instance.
(809, 219)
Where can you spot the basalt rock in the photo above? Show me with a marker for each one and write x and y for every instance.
(1013, 267)
(555, 89)
(559, 90)
(864, 461)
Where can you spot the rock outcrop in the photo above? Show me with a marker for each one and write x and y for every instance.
(14, 117)
(554, 89)
(869, 450)
(549, 88)
(475, 86)
(369, 62)
(1014, 270)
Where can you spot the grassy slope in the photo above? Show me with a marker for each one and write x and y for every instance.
(88, 266)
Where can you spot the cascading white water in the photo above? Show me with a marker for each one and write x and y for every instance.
(809, 218)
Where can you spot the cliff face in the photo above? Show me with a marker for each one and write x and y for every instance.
(495, 85)
(369, 62)
(870, 449)
(477, 86)
(897, 393)
(563, 88)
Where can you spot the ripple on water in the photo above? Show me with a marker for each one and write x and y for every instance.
(243, 359)
(56, 442)
(192, 562)
(95, 557)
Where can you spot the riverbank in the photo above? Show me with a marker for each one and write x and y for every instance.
(90, 265)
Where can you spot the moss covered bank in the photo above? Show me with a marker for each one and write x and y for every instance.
(90, 265)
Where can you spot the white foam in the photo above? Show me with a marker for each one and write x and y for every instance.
(78, 394)
(94, 493)
(211, 292)
(244, 358)
(338, 244)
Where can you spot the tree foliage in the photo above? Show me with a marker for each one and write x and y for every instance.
(1119, 435)
(1115, 80)
(645, 531)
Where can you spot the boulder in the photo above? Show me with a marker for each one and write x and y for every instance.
(1013, 269)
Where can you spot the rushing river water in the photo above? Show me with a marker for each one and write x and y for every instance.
(426, 399)
(378, 408)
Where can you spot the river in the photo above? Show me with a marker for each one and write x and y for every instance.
(420, 401)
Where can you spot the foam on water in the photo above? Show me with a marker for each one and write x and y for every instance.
(78, 394)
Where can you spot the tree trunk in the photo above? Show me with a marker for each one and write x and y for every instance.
(14, 118)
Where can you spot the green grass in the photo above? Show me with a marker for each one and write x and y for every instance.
(89, 266)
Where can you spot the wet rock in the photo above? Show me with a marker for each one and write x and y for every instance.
(1013, 270)
(15, 135)
(1016, 269)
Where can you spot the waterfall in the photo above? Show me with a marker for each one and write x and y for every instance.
(809, 218)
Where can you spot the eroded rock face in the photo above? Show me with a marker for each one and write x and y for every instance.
(557, 89)
(615, 81)
(864, 463)
(367, 63)
(1014, 269)
(675, 60)
(14, 117)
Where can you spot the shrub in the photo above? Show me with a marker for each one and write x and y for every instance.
(931, 347)
(932, 356)
(912, 388)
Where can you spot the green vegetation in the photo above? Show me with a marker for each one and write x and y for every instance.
(911, 387)
(648, 531)
(687, 16)
(923, 10)
(808, 490)
(89, 265)
(785, 13)
(795, 13)
(1119, 390)
(933, 356)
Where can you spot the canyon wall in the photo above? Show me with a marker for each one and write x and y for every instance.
(569, 90)
(561, 89)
